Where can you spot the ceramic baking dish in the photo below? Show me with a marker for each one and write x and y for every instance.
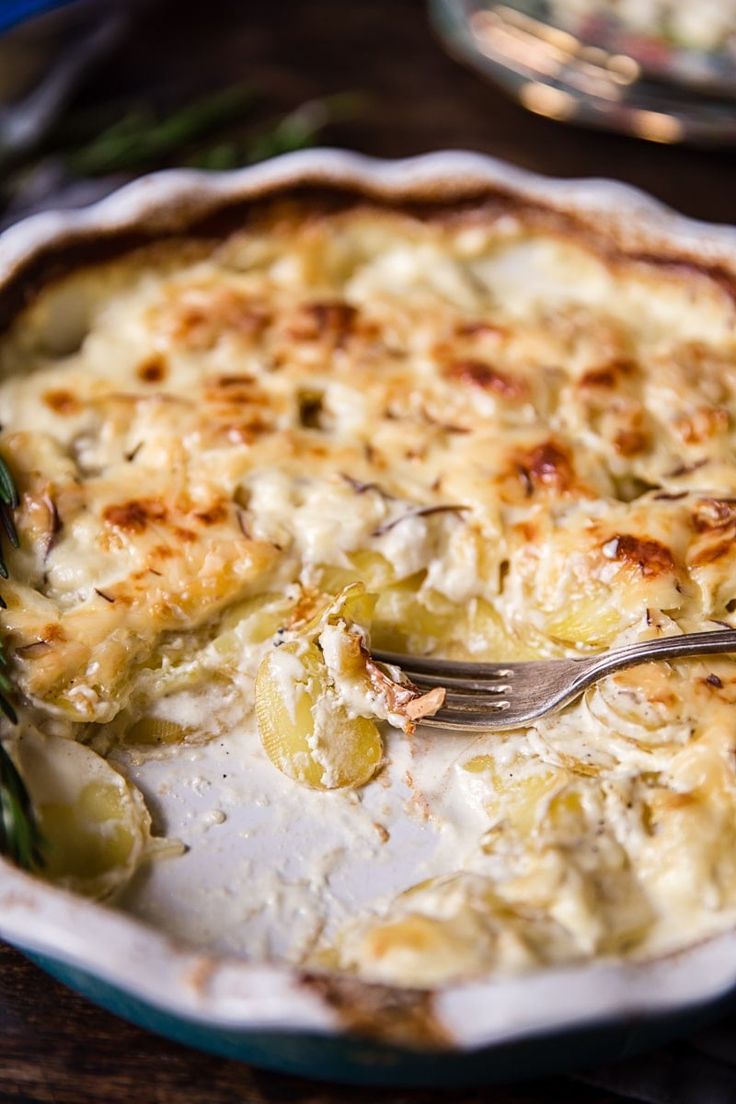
(280, 1016)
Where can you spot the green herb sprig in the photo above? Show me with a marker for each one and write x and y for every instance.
(298, 130)
(20, 837)
(224, 129)
(143, 138)
(8, 504)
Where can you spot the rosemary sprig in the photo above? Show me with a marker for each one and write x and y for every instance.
(221, 130)
(8, 503)
(142, 137)
(297, 130)
(20, 838)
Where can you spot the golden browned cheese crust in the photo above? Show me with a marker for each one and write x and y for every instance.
(525, 448)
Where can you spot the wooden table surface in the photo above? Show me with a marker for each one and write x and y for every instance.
(54, 1047)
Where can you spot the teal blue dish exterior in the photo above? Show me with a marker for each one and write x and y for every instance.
(350, 1060)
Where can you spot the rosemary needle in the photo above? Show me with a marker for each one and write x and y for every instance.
(141, 137)
(20, 838)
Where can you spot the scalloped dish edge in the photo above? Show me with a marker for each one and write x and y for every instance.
(236, 994)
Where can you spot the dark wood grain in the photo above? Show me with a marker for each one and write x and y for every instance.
(418, 99)
(54, 1047)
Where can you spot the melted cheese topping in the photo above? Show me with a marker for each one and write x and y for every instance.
(524, 449)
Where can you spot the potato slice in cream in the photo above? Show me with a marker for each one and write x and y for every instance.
(95, 824)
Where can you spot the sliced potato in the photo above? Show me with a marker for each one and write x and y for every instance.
(449, 928)
(589, 619)
(368, 567)
(316, 695)
(95, 823)
(305, 731)
(251, 622)
(517, 797)
(155, 731)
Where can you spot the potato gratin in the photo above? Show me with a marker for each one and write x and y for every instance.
(472, 434)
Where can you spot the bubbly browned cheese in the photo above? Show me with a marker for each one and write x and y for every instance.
(523, 447)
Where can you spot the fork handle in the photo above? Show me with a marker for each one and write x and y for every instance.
(668, 647)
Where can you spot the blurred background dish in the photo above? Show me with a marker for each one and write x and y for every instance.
(692, 43)
(667, 76)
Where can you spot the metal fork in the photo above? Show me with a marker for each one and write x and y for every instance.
(507, 695)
